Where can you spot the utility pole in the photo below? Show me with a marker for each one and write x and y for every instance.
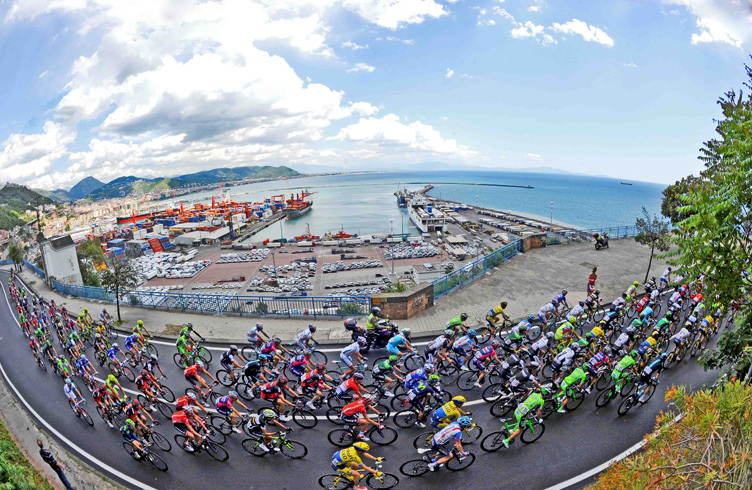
(391, 222)
(552, 214)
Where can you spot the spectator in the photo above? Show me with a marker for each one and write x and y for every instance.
(50, 460)
(591, 280)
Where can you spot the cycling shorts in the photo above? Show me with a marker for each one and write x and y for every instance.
(129, 436)
(193, 381)
(269, 396)
(180, 427)
(392, 349)
(460, 350)
(350, 419)
(439, 448)
(346, 359)
(298, 370)
(478, 363)
(224, 410)
(226, 363)
(645, 378)
(491, 322)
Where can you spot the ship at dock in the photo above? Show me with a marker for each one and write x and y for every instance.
(424, 215)
(297, 205)
(402, 197)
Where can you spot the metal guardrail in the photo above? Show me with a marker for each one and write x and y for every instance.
(565, 237)
(260, 306)
(471, 271)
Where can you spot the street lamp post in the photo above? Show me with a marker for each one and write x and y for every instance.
(552, 214)
(391, 224)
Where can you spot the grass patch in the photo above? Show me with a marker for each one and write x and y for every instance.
(16, 473)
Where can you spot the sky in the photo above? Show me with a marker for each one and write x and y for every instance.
(108, 88)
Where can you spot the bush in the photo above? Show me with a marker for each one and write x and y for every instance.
(350, 309)
(16, 473)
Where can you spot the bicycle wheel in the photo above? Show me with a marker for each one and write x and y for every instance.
(341, 437)
(405, 418)
(647, 394)
(383, 437)
(161, 441)
(626, 405)
(415, 467)
(166, 393)
(335, 482)
(549, 407)
(85, 415)
(252, 445)
(413, 362)
(502, 407)
(532, 432)
(455, 464)
(448, 374)
(164, 409)
(216, 451)
(548, 371)
(575, 400)
(204, 354)
(249, 353)
(628, 386)
(180, 441)
(293, 449)
(225, 378)
(423, 441)
(483, 334)
(216, 436)
(384, 482)
(332, 415)
(130, 450)
(156, 461)
(492, 392)
(604, 380)
(598, 315)
(605, 397)
(493, 441)
(245, 392)
(178, 360)
(467, 380)
(128, 374)
(130, 359)
(152, 349)
(472, 434)
(305, 419)
(399, 402)
(221, 423)
(102, 413)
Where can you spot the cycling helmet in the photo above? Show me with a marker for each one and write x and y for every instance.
(268, 414)
(130, 423)
(554, 302)
(405, 332)
(307, 353)
(429, 367)
(434, 379)
(188, 409)
(531, 318)
(276, 340)
(144, 372)
(463, 316)
(233, 348)
(597, 292)
(669, 269)
(582, 303)
(651, 304)
(351, 323)
(471, 333)
(104, 310)
(192, 396)
(368, 399)
(362, 342)
(321, 367)
(84, 358)
(669, 313)
(459, 400)
(575, 346)
(571, 320)
(664, 356)
(564, 292)
(68, 381)
(311, 328)
(189, 326)
(362, 446)
(465, 421)
(633, 353)
(358, 376)
(154, 359)
(260, 326)
(655, 333)
(233, 394)
(589, 335)
(503, 304)
(141, 323)
(637, 283)
(282, 380)
(86, 310)
(448, 335)
(652, 278)
(607, 350)
(200, 364)
(375, 310)
(393, 358)
(495, 343)
(550, 335)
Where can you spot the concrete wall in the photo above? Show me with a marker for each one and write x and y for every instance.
(401, 306)
(62, 264)
(533, 241)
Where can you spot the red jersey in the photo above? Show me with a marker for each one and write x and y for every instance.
(358, 406)
(191, 371)
(180, 417)
(183, 401)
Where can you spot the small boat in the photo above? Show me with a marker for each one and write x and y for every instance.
(626, 183)
(307, 236)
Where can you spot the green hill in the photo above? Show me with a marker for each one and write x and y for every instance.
(16, 199)
(85, 187)
(58, 195)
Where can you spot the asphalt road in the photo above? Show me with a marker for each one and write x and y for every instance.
(572, 444)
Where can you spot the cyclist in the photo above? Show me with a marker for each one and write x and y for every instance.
(545, 310)
(272, 392)
(647, 314)
(577, 311)
(104, 317)
(396, 343)
(680, 338)
(134, 411)
(492, 317)
(347, 462)
(87, 316)
(535, 400)
(575, 378)
(654, 368)
(373, 318)
(382, 371)
(186, 332)
(520, 332)
(597, 365)
(128, 343)
(186, 422)
(72, 391)
(185, 347)
(564, 358)
(143, 384)
(631, 290)
(114, 389)
(229, 360)
(436, 349)
(455, 325)
(189, 400)
(153, 363)
(416, 376)
(345, 355)
(420, 392)
(305, 338)
(619, 303)
(622, 369)
(461, 346)
(63, 367)
(565, 332)
(112, 354)
(256, 335)
(350, 388)
(85, 368)
(257, 427)
(141, 331)
(591, 302)
(541, 347)
(451, 432)
(560, 299)
(313, 382)
(224, 407)
(626, 340)
(254, 370)
(647, 346)
(300, 364)
(483, 358)
(100, 397)
(665, 278)
(128, 431)
(665, 324)
(193, 376)
(355, 414)
(443, 416)
(272, 349)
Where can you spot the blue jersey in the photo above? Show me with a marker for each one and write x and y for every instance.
(352, 348)
(560, 298)
(647, 313)
(397, 340)
(416, 376)
(112, 351)
(129, 341)
(420, 390)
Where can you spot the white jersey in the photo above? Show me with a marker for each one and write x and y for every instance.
(303, 336)
(665, 274)
(547, 308)
(654, 294)
(540, 344)
(622, 340)
(438, 343)
(576, 311)
(351, 349)
(564, 357)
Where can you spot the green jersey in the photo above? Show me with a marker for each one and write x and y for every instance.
(383, 367)
(181, 340)
(577, 375)
(533, 401)
(455, 322)
(625, 363)
(662, 323)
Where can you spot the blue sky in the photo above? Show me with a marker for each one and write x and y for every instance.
(619, 88)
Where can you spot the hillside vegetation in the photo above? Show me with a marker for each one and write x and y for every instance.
(14, 201)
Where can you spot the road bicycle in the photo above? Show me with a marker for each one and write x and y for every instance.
(627, 385)
(230, 378)
(144, 454)
(340, 481)
(379, 435)
(207, 395)
(288, 447)
(317, 357)
(419, 467)
(640, 396)
(80, 412)
(469, 436)
(198, 353)
(40, 361)
(214, 450)
(119, 370)
(160, 405)
(532, 430)
(553, 403)
(153, 437)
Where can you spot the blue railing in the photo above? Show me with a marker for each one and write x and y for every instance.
(289, 306)
(576, 236)
(6, 262)
(36, 269)
(471, 271)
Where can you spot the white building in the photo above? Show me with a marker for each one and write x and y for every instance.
(60, 260)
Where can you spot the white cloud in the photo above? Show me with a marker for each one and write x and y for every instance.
(24, 156)
(631, 64)
(533, 156)
(487, 19)
(354, 46)
(589, 33)
(393, 14)
(528, 29)
(533, 8)
(449, 73)
(42, 75)
(719, 21)
(409, 42)
(503, 13)
(361, 67)
(444, 118)
(389, 134)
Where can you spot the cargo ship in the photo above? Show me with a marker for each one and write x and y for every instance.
(424, 216)
(297, 206)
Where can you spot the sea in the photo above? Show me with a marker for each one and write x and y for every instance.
(365, 203)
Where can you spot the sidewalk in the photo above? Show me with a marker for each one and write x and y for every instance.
(526, 282)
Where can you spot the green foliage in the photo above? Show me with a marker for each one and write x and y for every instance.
(652, 232)
(90, 253)
(396, 287)
(672, 198)
(16, 253)
(350, 309)
(119, 278)
(262, 308)
(16, 473)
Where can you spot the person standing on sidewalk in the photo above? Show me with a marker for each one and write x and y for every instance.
(591, 280)
(50, 460)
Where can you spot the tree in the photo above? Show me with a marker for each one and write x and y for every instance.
(120, 277)
(653, 232)
(672, 198)
(715, 238)
(89, 254)
(16, 253)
